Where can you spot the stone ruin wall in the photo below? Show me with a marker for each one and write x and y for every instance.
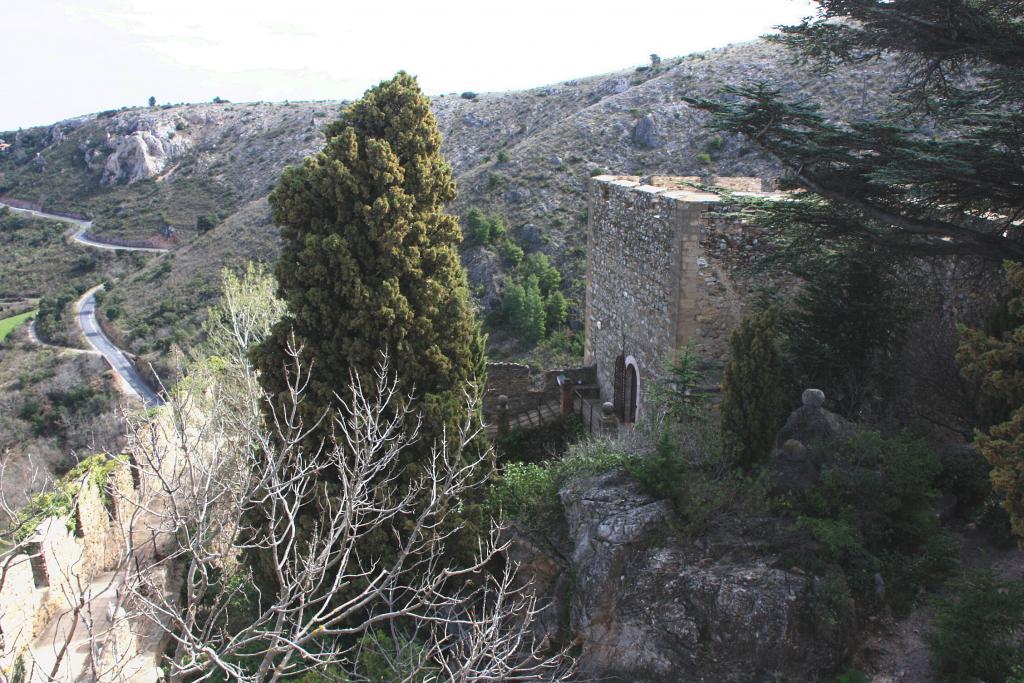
(525, 390)
(664, 270)
(40, 583)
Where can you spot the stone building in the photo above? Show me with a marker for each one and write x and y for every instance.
(663, 273)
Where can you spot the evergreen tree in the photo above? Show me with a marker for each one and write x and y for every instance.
(998, 363)
(533, 324)
(369, 263)
(752, 409)
(848, 324)
(556, 312)
(940, 173)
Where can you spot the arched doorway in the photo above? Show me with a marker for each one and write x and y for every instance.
(631, 391)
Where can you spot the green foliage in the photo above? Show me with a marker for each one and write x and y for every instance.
(852, 676)
(369, 263)
(485, 229)
(205, 223)
(752, 409)
(528, 492)
(872, 514)
(678, 392)
(510, 252)
(998, 365)
(537, 265)
(687, 468)
(502, 156)
(977, 632)
(532, 306)
(556, 312)
(704, 158)
(847, 326)
(152, 101)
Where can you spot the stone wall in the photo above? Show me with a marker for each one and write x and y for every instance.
(525, 390)
(41, 581)
(18, 606)
(663, 272)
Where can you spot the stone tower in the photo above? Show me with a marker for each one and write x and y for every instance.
(662, 273)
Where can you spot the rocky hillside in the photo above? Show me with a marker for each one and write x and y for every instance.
(205, 169)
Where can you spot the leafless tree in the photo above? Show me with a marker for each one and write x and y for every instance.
(218, 484)
(226, 483)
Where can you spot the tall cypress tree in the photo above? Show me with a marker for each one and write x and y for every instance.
(369, 263)
(752, 408)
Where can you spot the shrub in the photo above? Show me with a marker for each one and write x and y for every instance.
(677, 394)
(978, 631)
(484, 229)
(205, 222)
(872, 514)
(502, 156)
(996, 363)
(468, 95)
(556, 312)
(704, 158)
(752, 408)
(528, 492)
(511, 252)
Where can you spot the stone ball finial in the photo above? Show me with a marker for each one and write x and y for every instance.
(813, 398)
(503, 402)
(607, 408)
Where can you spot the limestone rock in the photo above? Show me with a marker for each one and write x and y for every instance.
(483, 268)
(646, 606)
(645, 133)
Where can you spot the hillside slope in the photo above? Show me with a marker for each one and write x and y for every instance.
(527, 155)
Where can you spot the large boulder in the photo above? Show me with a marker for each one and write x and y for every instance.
(647, 604)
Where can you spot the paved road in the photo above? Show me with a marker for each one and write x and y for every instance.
(130, 377)
(83, 227)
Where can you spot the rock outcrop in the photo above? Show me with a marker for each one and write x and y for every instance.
(142, 147)
(648, 604)
(645, 133)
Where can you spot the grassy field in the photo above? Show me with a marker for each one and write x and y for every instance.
(8, 325)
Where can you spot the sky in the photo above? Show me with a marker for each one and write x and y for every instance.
(63, 58)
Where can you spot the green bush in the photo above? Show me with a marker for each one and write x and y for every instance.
(205, 222)
(687, 468)
(752, 407)
(978, 631)
(484, 229)
(528, 492)
(872, 514)
(510, 252)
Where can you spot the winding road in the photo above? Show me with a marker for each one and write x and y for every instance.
(130, 380)
(83, 227)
